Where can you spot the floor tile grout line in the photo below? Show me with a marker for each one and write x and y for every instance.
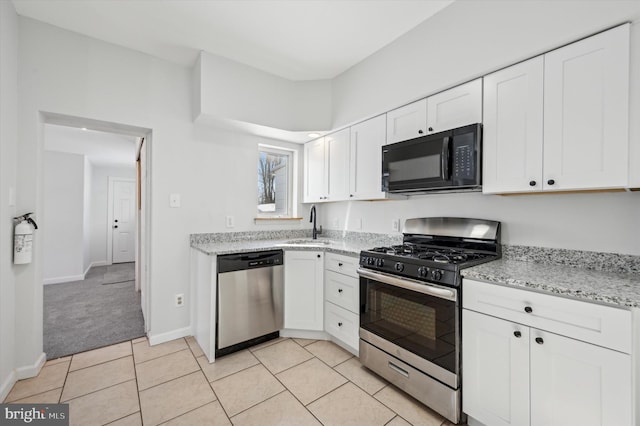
(66, 376)
(256, 404)
(135, 374)
(17, 401)
(124, 417)
(231, 374)
(217, 398)
(100, 363)
(95, 391)
(163, 355)
(171, 380)
(187, 412)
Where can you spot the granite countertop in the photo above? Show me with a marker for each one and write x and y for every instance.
(351, 248)
(615, 288)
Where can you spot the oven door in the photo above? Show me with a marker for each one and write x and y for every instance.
(416, 322)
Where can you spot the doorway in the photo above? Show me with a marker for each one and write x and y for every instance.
(103, 303)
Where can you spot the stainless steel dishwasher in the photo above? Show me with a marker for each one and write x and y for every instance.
(250, 299)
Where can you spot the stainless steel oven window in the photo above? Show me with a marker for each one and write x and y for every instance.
(420, 323)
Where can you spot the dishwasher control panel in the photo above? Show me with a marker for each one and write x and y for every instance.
(250, 260)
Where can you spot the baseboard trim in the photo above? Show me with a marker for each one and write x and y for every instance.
(98, 263)
(156, 339)
(31, 370)
(6, 386)
(58, 280)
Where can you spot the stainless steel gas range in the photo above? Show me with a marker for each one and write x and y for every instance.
(410, 306)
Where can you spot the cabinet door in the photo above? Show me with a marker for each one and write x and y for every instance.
(407, 122)
(315, 184)
(586, 113)
(303, 290)
(512, 129)
(455, 107)
(495, 377)
(367, 139)
(576, 383)
(337, 171)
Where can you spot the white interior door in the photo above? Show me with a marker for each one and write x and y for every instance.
(124, 220)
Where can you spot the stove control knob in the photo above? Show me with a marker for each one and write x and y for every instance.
(371, 261)
(399, 267)
(436, 275)
(379, 263)
(423, 272)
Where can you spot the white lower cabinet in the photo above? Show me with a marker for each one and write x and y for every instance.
(303, 290)
(342, 300)
(514, 374)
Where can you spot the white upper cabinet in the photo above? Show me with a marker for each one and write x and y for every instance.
(367, 139)
(407, 122)
(512, 133)
(560, 122)
(315, 179)
(337, 152)
(586, 113)
(326, 160)
(456, 107)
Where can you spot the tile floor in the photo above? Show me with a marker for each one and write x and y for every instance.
(293, 382)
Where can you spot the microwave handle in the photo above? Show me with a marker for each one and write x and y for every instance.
(444, 158)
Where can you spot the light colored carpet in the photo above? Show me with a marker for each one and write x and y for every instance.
(84, 315)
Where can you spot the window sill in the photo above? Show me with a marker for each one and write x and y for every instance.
(274, 220)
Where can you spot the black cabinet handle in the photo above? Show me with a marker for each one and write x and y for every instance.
(420, 131)
(528, 309)
(431, 129)
(517, 334)
(532, 183)
(551, 181)
(539, 340)
(339, 290)
(339, 324)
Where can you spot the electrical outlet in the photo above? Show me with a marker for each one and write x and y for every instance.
(231, 221)
(395, 225)
(179, 300)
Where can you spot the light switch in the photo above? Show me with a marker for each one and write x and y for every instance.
(174, 200)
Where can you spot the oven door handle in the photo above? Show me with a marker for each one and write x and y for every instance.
(409, 284)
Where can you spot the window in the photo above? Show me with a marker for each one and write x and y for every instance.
(274, 182)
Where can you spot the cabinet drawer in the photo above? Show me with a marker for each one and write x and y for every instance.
(601, 325)
(343, 264)
(341, 324)
(342, 290)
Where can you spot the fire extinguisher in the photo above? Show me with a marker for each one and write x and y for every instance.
(23, 239)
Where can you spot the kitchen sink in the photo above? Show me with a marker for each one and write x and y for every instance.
(307, 243)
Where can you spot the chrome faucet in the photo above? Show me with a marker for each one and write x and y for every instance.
(312, 218)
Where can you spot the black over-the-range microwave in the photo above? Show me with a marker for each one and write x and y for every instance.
(449, 160)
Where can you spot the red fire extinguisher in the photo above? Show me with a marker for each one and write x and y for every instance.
(23, 239)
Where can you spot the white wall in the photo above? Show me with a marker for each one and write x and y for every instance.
(466, 40)
(8, 160)
(99, 200)
(231, 90)
(214, 171)
(62, 222)
(86, 215)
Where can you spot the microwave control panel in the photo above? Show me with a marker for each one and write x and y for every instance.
(464, 167)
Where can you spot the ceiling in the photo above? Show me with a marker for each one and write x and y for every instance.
(297, 40)
(101, 148)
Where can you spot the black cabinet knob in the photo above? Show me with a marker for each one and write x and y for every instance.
(420, 131)
(318, 256)
(339, 290)
(431, 129)
(339, 324)
(539, 340)
(115, 226)
(532, 183)
(528, 309)
(116, 221)
(339, 263)
(350, 195)
(517, 334)
(551, 181)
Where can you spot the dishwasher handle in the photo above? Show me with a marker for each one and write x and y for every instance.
(250, 260)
